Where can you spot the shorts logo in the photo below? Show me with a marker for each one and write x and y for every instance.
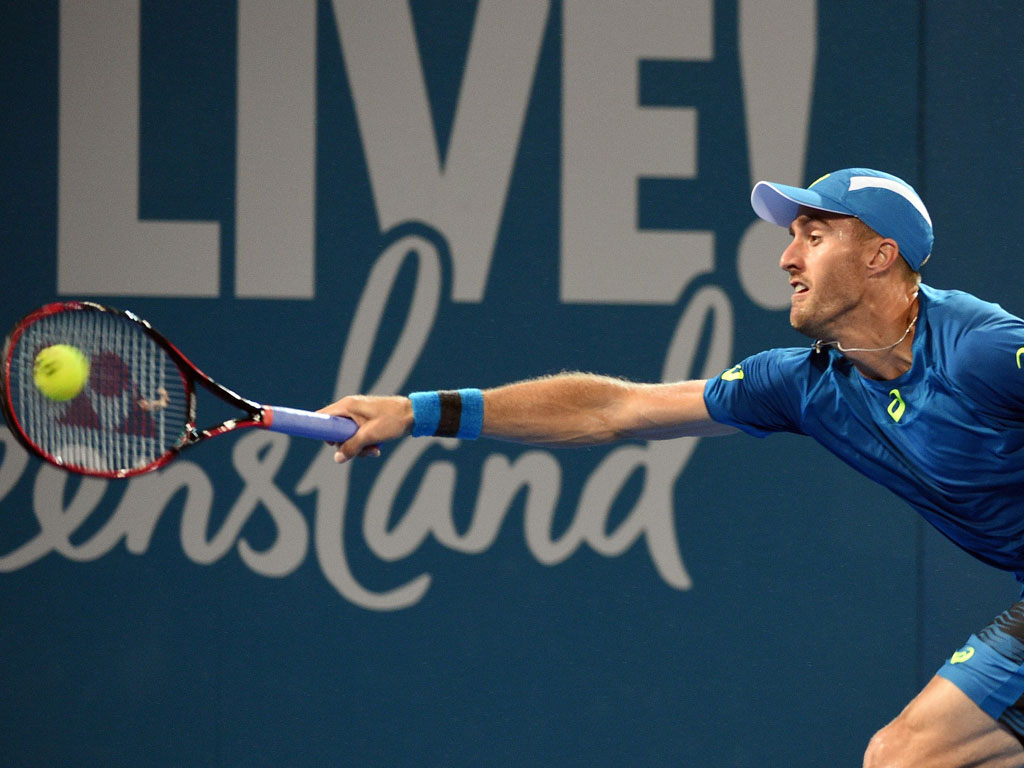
(733, 374)
(897, 406)
(962, 655)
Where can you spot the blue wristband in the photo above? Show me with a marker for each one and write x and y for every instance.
(426, 413)
(471, 422)
(448, 413)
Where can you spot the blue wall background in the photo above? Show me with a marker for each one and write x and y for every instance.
(246, 605)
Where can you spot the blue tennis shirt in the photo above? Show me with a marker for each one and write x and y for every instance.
(947, 436)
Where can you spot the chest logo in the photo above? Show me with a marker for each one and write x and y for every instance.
(897, 406)
(733, 374)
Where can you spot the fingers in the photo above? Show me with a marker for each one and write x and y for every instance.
(368, 451)
(343, 452)
(379, 419)
(337, 408)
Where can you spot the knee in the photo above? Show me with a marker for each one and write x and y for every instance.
(891, 747)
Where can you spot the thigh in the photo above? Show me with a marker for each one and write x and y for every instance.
(943, 727)
(989, 669)
(972, 711)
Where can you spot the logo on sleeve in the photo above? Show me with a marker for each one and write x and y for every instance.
(962, 655)
(733, 374)
(897, 406)
(1019, 353)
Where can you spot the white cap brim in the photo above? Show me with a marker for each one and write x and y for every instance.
(780, 203)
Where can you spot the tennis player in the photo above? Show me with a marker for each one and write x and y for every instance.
(922, 390)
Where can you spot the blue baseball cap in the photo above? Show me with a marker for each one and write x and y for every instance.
(884, 202)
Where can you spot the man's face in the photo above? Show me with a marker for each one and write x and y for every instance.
(826, 270)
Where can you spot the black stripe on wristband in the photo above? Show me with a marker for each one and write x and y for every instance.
(451, 414)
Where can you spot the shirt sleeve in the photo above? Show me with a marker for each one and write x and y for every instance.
(760, 395)
(988, 365)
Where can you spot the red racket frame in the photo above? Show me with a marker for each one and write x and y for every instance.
(191, 376)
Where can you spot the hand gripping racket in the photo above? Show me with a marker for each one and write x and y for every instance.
(137, 408)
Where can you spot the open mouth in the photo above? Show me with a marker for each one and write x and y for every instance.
(798, 288)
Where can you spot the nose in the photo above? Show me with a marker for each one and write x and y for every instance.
(790, 257)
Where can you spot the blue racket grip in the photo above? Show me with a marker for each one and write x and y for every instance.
(318, 426)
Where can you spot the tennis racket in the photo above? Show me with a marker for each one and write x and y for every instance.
(137, 408)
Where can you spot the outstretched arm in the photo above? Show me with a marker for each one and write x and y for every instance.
(568, 409)
(584, 409)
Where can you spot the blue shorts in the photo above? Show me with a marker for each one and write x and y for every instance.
(990, 669)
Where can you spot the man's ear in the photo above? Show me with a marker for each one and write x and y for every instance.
(886, 253)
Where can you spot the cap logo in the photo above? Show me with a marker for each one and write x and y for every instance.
(874, 182)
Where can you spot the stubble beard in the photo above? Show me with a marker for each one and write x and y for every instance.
(805, 322)
(818, 319)
(821, 314)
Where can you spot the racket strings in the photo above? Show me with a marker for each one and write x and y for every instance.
(132, 409)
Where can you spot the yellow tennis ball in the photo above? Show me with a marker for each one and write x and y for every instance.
(61, 371)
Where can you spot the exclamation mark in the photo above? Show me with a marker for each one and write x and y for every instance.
(778, 47)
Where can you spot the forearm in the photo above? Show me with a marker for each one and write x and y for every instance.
(571, 408)
(583, 409)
